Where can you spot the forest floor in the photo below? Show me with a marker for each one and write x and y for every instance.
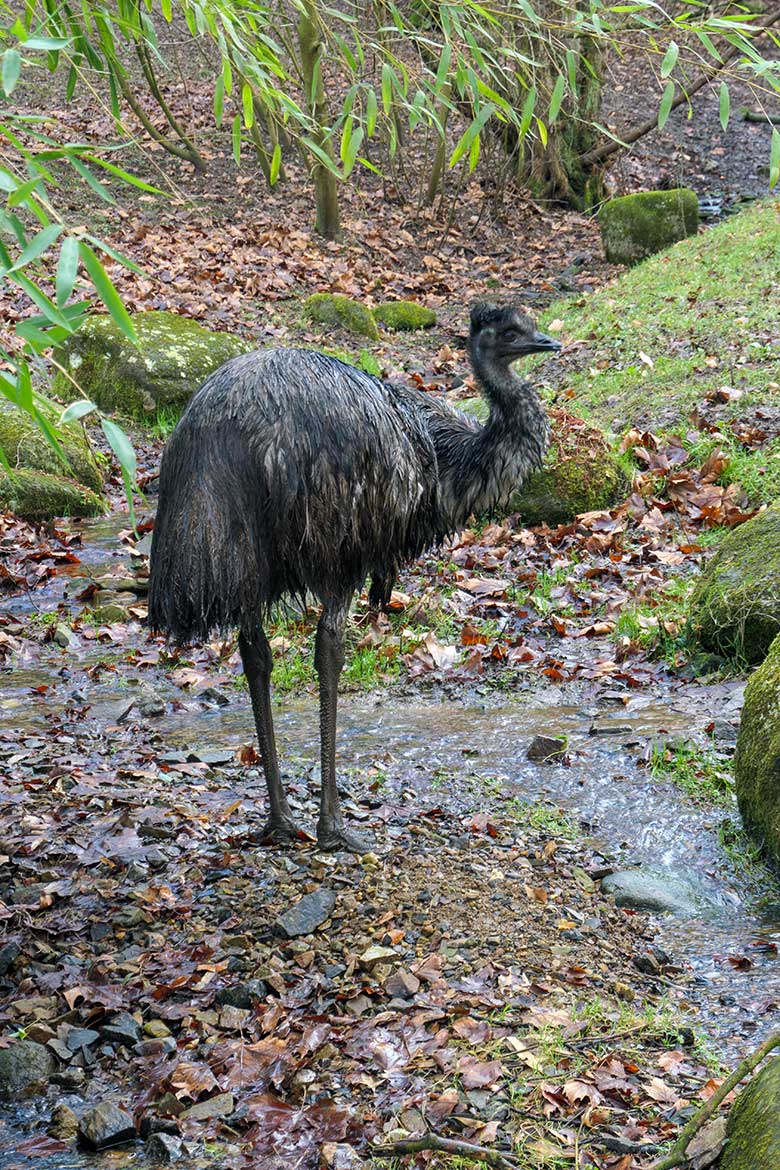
(470, 977)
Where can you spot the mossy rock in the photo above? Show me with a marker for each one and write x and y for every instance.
(753, 1129)
(757, 760)
(735, 608)
(38, 495)
(635, 226)
(26, 447)
(333, 309)
(581, 473)
(173, 358)
(404, 315)
(24, 1067)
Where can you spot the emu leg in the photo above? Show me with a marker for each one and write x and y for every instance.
(328, 661)
(258, 663)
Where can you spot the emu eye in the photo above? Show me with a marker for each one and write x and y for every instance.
(510, 336)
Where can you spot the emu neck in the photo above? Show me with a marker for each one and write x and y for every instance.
(495, 460)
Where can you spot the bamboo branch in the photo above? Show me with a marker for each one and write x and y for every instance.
(172, 147)
(607, 149)
(432, 1141)
(676, 1155)
(148, 70)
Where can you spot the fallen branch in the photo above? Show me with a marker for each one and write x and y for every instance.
(432, 1141)
(676, 1155)
(757, 116)
(600, 153)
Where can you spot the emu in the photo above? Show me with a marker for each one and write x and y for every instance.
(291, 472)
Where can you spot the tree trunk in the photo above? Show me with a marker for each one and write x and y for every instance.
(328, 221)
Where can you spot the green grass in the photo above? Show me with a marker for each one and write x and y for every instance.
(543, 818)
(657, 624)
(165, 421)
(704, 314)
(697, 771)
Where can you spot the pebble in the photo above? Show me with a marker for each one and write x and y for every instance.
(63, 1123)
(8, 955)
(307, 914)
(163, 1148)
(547, 748)
(106, 1125)
(220, 1106)
(122, 1029)
(242, 995)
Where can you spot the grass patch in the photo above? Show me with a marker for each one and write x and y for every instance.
(543, 818)
(657, 623)
(698, 772)
(164, 421)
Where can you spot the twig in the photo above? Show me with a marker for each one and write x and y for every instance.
(676, 1155)
(432, 1141)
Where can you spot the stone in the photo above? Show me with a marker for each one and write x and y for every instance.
(106, 1125)
(757, 759)
(639, 890)
(404, 315)
(63, 1123)
(220, 1106)
(39, 495)
(753, 1128)
(156, 1029)
(163, 1148)
(81, 1038)
(173, 358)
(340, 1156)
(9, 953)
(26, 447)
(242, 995)
(402, 984)
(306, 915)
(122, 1029)
(24, 1067)
(635, 226)
(734, 609)
(333, 309)
(546, 748)
(377, 954)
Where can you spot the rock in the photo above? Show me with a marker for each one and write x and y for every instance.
(107, 614)
(582, 472)
(332, 309)
(24, 1066)
(173, 357)
(220, 1106)
(753, 1128)
(163, 1148)
(8, 955)
(38, 495)
(63, 1123)
(63, 637)
(639, 890)
(735, 608)
(26, 447)
(340, 1156)
(156, 1029)
(546, 748)
(81, 1038)
(307, 914)
(402, 984)
(242, 995)
(376, 954)
(757, 759)
(404, 315)
(636, 226)
(122, 1029)
(106, 1125)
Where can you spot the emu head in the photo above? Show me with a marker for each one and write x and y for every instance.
(501, 333)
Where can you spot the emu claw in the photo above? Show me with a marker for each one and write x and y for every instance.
(337, 839)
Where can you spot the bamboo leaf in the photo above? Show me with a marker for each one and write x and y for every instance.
(371, 112)
(67, 269)
(557, 98)
(528, 113)
(40, 243)
(237, 139)
(670, 58)
(725, 105)
(248, 106)
(12, 67)
(120, 445)
(105, 290)
(76, 410)
(665, 108)
(774, 159)
(276, 165)
(471, 132)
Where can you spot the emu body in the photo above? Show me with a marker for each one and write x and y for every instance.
(291, 472)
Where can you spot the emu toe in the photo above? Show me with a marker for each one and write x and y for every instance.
(282, 831)
(338, 839)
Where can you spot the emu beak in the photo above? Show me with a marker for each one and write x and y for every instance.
(542, 343)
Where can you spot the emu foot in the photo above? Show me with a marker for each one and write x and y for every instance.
(337, 839)
(282, 831)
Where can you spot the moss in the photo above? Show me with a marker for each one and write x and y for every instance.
(332, 309)
(757, 760)
(735, 607)
(753, 1129)
(636, 226)
(404, 315)
(25, 446)
(37, 495)
(173, 357)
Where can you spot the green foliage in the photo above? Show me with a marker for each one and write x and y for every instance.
(698, 772)
(404, 315)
